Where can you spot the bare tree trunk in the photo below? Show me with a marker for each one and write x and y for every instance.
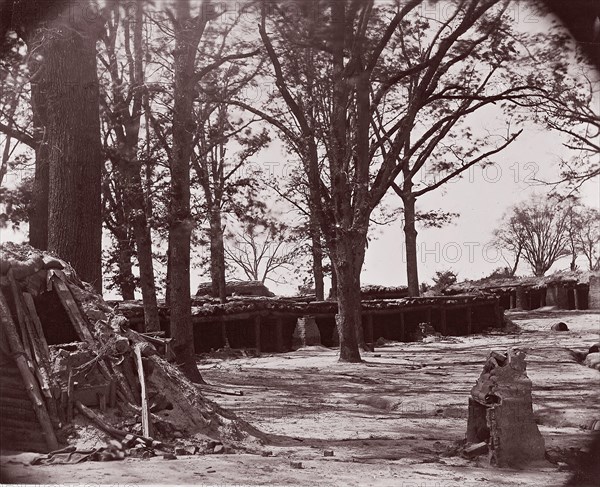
(75, 155)
(181, 219)
(138, 215)
(143, 242)
(38, 212)
(125, 279)
(348, 262)
(217, 254)
(410, 239)
(217, 262)
(317, 258)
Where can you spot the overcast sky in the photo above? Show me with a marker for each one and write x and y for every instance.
(481, 197)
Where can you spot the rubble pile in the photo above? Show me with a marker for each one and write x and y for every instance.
(109, 375)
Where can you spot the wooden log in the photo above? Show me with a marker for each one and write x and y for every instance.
(30, 305)
(27, 346)
(146, 424)
(31, 385)
(39, 356)
(128, 374)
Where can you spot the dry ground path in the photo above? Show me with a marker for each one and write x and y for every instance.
(393, 420)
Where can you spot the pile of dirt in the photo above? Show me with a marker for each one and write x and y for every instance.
(111, 379)
(237, 288)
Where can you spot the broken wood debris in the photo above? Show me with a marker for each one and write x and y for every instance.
(112, 366)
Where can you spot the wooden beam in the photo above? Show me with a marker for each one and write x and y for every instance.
(146, 424)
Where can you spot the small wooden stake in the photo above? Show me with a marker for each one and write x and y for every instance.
(146, 424)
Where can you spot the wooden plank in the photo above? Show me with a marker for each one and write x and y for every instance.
(27, 346)
(146, 423)
(41, 357)
(30, 305)
(32, 387)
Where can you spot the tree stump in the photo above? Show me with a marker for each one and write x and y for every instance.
(306, 333)
(501, 412)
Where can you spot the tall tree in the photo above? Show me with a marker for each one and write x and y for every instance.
(65, 101)
(363, 105)
(540, 227)
(188, 72)
(188, 32)
(262, 250)
(588, 237)
(75, 150)
(123, 115)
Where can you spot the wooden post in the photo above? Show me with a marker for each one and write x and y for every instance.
(498, 315)
(443, 323)
(369, 337)
(512, 299)
(469, 320)
(146, 424)
(257, 321)
(279, 335)
(576, 298)
(31, 385)
(402, 331)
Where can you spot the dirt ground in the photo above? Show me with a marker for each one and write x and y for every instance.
(393, 420)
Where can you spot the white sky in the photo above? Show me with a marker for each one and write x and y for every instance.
(481, 197)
